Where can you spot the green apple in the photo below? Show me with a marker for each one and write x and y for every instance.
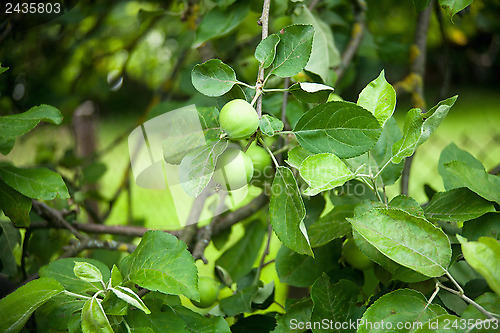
(263, 171)
(238, 119)
(209, 291)
(353, 255)
(234, 169)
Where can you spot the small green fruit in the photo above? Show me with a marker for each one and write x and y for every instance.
(234, 169)
(238, 119)
(353, 255)
(263, 171)
(209, 291)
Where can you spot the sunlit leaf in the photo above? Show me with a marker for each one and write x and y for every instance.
(287, 212)
(398, 235)
(342, 128)
(294, 49)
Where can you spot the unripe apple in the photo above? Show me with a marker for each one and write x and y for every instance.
(353, 255)
(263, 171)
(234, 169)
(209, 291)
(238, 119)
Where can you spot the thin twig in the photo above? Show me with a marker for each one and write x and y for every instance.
(264, 22)
(417, 70)
(55, 216)
(356, 37)
(470, 301)
(266, 251)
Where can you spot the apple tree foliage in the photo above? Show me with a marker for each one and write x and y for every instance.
(436, 264)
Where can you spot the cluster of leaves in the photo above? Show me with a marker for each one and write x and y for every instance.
(450, 244)
(346, 144)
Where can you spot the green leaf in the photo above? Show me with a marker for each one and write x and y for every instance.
(457, 205)
(39, 183)
(301, 270)
(453, 153)
(14, 205)
(9, 239)
(293, 51)
(398, 271)
(331, 226)
(161, 262)
(308, 92)
(337, 302)
(236, 92)
(296, 156)
(299, 312)
(94, 319)
(382, 153)
(61, 309)
(130, 297)
(198, 166)
(388, 230)
(400, 306)
(241, 302)
(3, 69)
(444, 323)
(87, 272)
(116, 277)
(418, 127)
(420, 5)
(17, 307)
(219, 22)
(6, 146)
(486, 225)
(197, 323)
(270, 125)
(379, 97)
(324, 172)
(62, 270)
(478, 181)
(15, 125)
(161, 320)
(287, 212)
(239, 259)
(213, 78)
(408, 204)
(324, 53)
(266, 50)
(342, 128)
(451, 7)
(484, 257)
(434, 117)
(406, 146)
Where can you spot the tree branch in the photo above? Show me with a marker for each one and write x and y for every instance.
(55, 217)
(356, 37)
(264, 22)
(417, 70)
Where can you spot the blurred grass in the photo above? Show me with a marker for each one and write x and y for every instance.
(473, 124)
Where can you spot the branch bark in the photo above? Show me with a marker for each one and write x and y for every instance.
(264, 22)
(356, 37)
(417, 70)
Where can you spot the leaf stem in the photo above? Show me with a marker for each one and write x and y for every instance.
(246, 85)
(275, 90)
(69, 293)
(470, 301)
(382, 168)
(270, 153)
(266, 251)
(454, 282)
